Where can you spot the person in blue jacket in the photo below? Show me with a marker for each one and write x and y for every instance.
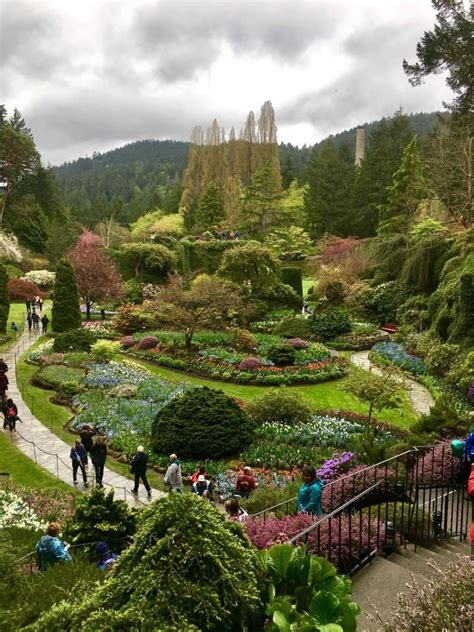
(78, 456)
(50, 549)
(469, 443)
(310, 493)
(106, 558)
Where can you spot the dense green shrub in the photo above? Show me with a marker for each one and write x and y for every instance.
(281, 295)
(279, 404)
(330, 323)
(56, 374)
(74, 340)
(98, 517)
(4, 300)
(462, 372)
(189, 569)
(203, 255)
(297, 327)
(385, 300)
(282, 354)
(442, 419)
(104, 350)
(201, 424)
(150, 263)
(134, 290)
(244, 340)
(293, 278)
(442, 357)
(66, 312)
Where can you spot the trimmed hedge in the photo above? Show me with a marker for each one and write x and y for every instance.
(201, 424)
(293, 328)
(74, 340)
(66, 312)
(293, 278)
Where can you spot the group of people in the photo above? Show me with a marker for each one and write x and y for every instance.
(33, 320)
(84, 448)
(51, 550)
(8, 407)
(36, 302)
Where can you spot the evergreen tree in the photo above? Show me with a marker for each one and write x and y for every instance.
(211, 208)
(261, 209)
(4, 300)
(382, 159)
(407, 190)
(66, 307)
(288, 173)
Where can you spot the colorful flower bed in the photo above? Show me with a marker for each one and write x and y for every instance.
(46, 504)
(395, 353)
(15, 512)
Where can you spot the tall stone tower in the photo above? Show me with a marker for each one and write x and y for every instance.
(360, 146)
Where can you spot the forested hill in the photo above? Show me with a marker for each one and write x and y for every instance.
(131, 180)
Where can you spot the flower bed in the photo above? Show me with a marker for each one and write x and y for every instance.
(47, 504)
(358, 342)
(15, 512)
(55, 375)
(387, 353)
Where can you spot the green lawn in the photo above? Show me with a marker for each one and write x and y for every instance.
(307, 283)
(328, 395)
(18, 315)
(23, 470)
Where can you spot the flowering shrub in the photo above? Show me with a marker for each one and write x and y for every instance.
(394, 353)
(15, 512)
(46, 504)
(41, 350)
(298, 343)
(148, 342)
(100, 328)
(250, 364)
(127, 342)
(43, 278)
(355, 481)
(334, 467)
(10, 251)
(438, 465)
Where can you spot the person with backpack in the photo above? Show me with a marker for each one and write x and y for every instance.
(44, 322)
(10, 415)
(86, 433)
(98, 454)
(78, 457)
(138, 467)
(310, 493)
(36, 320)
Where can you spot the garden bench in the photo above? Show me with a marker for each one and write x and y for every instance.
(390, 328)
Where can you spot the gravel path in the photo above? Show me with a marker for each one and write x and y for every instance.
(46, 449)
(419, 396)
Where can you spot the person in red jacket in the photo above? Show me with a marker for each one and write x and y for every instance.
(246, 483)
(470, 493)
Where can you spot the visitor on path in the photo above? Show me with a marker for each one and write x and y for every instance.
(50, 549)
(246, 483)
(86, 433)
(102, 313)
(173, 478)
(106, 558)
(10, 414)
(14, 328)
(28, 307)
(310, 493)
(469, 443)
(39, 302)
(44, 322)
(36, 320)
(98, 454)
(78, 457)
(202, 486)
(200, 471)
(29, 321)
(234, 512)
(3, 366)
(3, 383)
(138, 468)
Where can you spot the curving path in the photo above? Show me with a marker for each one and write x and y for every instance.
(45, 448)
(419, 396)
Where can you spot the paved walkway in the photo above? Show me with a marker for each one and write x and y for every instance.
(419, 396)
(41, 445)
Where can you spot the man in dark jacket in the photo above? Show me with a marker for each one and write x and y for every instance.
(3, 366)
(86, 433)
(3, 383)
(138, 468)
(44, 322)
(78, 457)
(98, 456)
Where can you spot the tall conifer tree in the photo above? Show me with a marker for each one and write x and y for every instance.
(66, 306)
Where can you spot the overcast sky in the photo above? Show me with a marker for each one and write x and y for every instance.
(91, 76)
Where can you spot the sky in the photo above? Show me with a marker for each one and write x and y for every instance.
(93, 75)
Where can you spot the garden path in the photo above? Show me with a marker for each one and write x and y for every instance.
(45, 448)
(419, 396)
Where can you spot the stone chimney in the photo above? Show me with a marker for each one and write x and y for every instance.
(360, 146)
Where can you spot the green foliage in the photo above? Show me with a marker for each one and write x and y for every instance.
(104, 350)
(182, 541)
(443, 419)
(56, 375)
(282, 354)
(4, 300)
(183, 425)
(379, 391)
(421, 269)
(462, 373)
(66, 313)
(279, 405)
(298, 327)
(211, 208)
(99, 518)
(293, 277)
(290, 244)
(151, 263)
(442, 357)
(252, 266)
(414, 312)
(385, 300)
(426, 228)
(204, 255)
(330, 323)
(281, 296)
(268, 496)
(74, 340)
(304, 592)
(134, 290)
(261, 204)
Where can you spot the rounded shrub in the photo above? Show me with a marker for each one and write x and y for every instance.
(279, 404)
(148, 342)
(201, 424)
(298, 343)
(282, 355)
(293, 328)
(330, 323)
(250, 364)
(244, 340)
(104, 350)
(74, 340)
(126, 342)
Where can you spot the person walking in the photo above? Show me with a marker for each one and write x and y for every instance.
(310, 493)
(78, 457)
(3, 383)
(44, 322)
(39, 301)
(29, 321)
(35, 319)
(173, 478)
(98, 454)
(86, 433)
(3, 366)
(28, 307)
(138, 467)
(10, 414)
(50, 549)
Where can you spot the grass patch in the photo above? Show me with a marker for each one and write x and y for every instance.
(307, 283)
(56, 375)
(325, 395)
(23, 470)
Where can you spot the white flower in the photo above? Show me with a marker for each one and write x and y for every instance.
(9, 249)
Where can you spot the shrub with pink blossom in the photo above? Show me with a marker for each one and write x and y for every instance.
(148, 342)
(250, 364)
(358, 479)
(334, 467)
(126, 342)
(46, 504)
(298, 343)
(438, 465)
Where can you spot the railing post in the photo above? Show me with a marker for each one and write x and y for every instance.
(57, 466)
(34, 452)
